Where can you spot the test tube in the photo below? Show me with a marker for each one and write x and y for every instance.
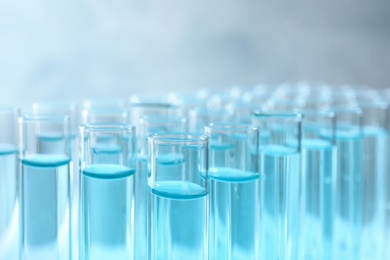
(348, 183)
(179, 196)
(373, 182)
(234, 191)
(148, 125)
(148, 117)
(386, 93)
(70, 109)
(106, 192)
(9, 170)
(318, 151)
(280, 149)
(45, 198)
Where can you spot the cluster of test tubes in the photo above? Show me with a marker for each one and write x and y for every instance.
(293, 171)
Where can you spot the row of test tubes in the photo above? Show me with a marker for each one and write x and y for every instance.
(283, 172)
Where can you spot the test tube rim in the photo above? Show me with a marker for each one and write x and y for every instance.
(173, 138)
(231, 128)
(45, 117)
(106, 127)
(287, 115)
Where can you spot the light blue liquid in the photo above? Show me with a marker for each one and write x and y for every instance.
(106, 213)
(45, 207)
(280, 173)
(347, 195)
(179, 217)
(141, 213)
(106, 153)
(9, 219)
(317, 199)
(234, 214)
(51, 143)
(374, 242)
(74, 191)
(169, 166)
(220, 153)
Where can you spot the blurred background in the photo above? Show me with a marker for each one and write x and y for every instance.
(73, 49)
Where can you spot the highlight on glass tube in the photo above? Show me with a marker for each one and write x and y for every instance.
(179, 196)
(347, 203)
(234, 191)
(280, 147)
(318, 183)
(45, 177)
(9, 170)
(373, 242)
(151, 124)
(106, 192)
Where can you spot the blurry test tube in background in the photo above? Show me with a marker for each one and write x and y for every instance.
(234, 191)
(9, 183)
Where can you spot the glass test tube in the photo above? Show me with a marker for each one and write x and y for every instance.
(179, 196)
(387, 97)
(71, 110)
(348, 183)
(148, 125)
(318, 163)
(9, 170)
(373, 182)
(280, 147)
(106, 191)
(45, 185)
(147, 117)
(234, 191)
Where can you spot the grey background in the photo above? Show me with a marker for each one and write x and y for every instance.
(89, 48)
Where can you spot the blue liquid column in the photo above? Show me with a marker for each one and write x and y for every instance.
(107, 191)
(234, 192)
(375, 149)
(51, 141)
(9, 170)
(179, 190)
(45, 188)
(280, 175)
(317, 184)
(148, 118)
(347, 215)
